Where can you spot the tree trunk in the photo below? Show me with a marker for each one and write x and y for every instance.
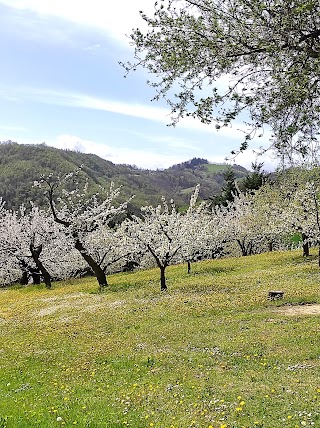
(99, 273)
(163, 278)
(319, 255)
(189, 266)
(305, 246)
(270, 246)
(25, 272)
(24, 278)
(243, 247)
(306, 249)
(35, 255)
(35, 273)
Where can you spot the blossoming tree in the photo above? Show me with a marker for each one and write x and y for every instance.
(305, 211)
(239, 222)
(32, 243)
(206, 233)
(80, 215)
(168, 235)
(270, 207)
(111, 248)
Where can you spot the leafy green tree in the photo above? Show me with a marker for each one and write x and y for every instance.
(215, 59)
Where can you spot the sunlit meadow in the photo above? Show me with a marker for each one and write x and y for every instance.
(213, 351)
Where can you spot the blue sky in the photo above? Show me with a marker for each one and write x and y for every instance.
(60, 83)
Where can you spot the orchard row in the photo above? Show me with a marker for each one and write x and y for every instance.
(80, 235)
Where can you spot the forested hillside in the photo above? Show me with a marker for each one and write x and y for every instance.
(21, 165)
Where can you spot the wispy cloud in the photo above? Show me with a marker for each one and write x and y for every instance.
(13, 128)
(87, 25)
(77, 100)
(142, 111)
(171, 141)
(116, 19)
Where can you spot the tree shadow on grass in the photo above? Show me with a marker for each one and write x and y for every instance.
(296, 259)
(127, 281)
(128, 286)
(299, 259)
(211, 271)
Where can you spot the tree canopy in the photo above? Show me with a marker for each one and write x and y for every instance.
(225, 60)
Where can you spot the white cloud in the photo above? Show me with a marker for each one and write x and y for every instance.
(174, 148)
(146, 159)
(115, 18)
(270, 162)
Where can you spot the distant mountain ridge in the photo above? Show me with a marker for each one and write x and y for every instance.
(21, 165)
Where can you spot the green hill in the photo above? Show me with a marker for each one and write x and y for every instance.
(211, 352)
(21, 165)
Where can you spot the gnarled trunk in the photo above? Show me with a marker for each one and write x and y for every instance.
(99, 273)
(25, 272)
(36, 251)
(28, 271)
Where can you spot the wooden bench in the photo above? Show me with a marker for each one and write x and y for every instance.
(275, 295)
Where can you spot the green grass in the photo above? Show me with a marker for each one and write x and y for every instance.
(212, 351)
(216, 167)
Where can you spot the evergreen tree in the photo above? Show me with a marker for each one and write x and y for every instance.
(228, 190)
(256, 179)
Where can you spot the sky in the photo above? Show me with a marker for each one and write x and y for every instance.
(61, 84)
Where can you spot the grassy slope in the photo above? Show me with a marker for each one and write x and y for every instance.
(213, 351)
(216, 167)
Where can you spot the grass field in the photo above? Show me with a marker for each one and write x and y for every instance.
(212, 167)
(211, 352)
